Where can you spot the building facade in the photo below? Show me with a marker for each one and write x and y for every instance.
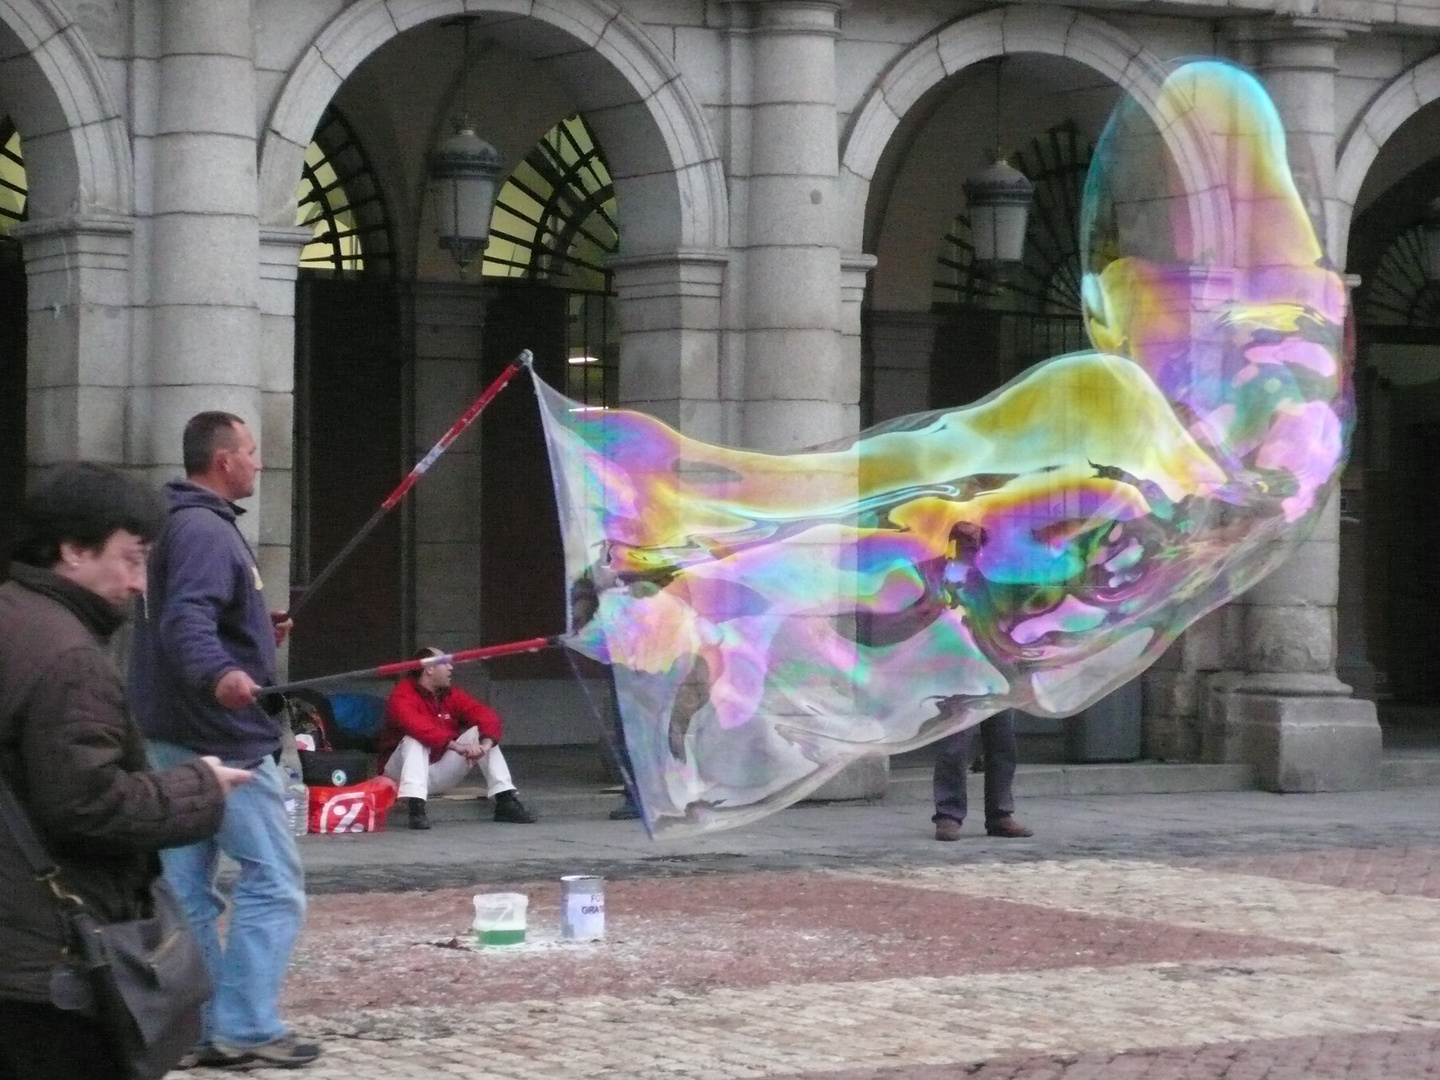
(743, 216)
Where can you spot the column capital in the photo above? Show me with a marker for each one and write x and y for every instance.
(73, 225)
(1297, 43)
(97, 247)
(280, 251)
(688, 272)
(787, 16)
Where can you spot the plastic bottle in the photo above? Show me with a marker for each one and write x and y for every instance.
(297, 803)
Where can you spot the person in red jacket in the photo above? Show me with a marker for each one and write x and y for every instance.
(434, 734)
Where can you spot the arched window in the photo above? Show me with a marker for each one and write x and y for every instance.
(341, 201)
(555, 221)
(13, 189)
(555, 218)
(1399, 292)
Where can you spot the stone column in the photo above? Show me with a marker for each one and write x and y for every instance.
(449, 320)
(205, 239)
(1288, 713)
(801, 388)
(670, 338)
(801, 384)
(279, 264)
(78, 330)
(854, 279)
(902, 346)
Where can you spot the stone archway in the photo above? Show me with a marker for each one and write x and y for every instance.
(664, 159)
(77, 152)
(76, 247)
(1006, 31)
(1405, 96)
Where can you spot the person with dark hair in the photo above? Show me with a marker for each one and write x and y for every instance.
(952, 763)
(203, 653)
(434, 734)
(75, 759)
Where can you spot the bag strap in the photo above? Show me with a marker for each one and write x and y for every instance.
(18, 823)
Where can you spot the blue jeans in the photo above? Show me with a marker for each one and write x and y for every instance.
(267, 906)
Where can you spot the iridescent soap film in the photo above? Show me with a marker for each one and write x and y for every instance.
(770, 619)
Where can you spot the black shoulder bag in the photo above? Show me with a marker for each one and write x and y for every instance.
(145, 978)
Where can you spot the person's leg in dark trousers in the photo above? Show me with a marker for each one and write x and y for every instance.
(997, 742)
(952, 766)
(41, 1042)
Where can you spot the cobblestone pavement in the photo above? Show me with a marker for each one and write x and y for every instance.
(1313, 960)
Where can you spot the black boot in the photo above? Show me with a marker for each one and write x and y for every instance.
(418, 820)
(508, 807)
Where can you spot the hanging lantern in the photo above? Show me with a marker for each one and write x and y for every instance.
(997, 203)
(1430, 225)
(463, 176)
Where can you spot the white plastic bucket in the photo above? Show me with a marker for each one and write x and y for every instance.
(500, 918)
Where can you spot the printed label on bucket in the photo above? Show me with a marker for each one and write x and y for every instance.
(582, 918)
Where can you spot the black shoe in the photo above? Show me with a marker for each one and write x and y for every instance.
(418, 818)
(626, 811)
(508, 807)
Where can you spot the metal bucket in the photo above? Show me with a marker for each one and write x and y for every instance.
(582, 908)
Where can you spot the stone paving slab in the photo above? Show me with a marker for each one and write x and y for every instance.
(1336, 981)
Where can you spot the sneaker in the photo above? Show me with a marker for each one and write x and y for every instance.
(508, 807)
(210, 1057)
(626, 811)
(947, 828)
(201, 1055)
(418, 818)
(286, 1052)
(1007, 826)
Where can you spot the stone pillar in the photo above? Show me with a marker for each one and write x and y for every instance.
(78, 330)
(449, 320)
(670, 338)
(205, 239)
(801, 383)
(1173, 726)
(854, 279)
(902, 346)
(1288, 713)
(801, 388)
(279, 264)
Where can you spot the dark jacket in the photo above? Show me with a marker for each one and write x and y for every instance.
(76, 762)
(433, 719)
(204, 616)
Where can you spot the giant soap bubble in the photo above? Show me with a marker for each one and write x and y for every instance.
(772, 618)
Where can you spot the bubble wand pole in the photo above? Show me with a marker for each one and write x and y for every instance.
(404, 667)
(421, 467)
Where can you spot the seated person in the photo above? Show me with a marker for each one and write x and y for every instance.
(434, 734)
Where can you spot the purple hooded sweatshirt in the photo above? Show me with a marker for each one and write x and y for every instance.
(204, 615)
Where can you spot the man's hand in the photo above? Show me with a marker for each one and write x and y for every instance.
(236, 690)
(281, 625)
(469, 751)
(229, 778)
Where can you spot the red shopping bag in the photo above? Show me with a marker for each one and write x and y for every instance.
(354, 809)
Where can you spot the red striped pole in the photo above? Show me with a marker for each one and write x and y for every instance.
(404, 667)
(421, 468)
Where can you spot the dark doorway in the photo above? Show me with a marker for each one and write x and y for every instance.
(522, 567)
(348, 457)
(12, 393)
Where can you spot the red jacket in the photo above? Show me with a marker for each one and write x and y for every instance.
(433, 719)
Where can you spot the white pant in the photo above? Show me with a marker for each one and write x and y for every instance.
(410, 765)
